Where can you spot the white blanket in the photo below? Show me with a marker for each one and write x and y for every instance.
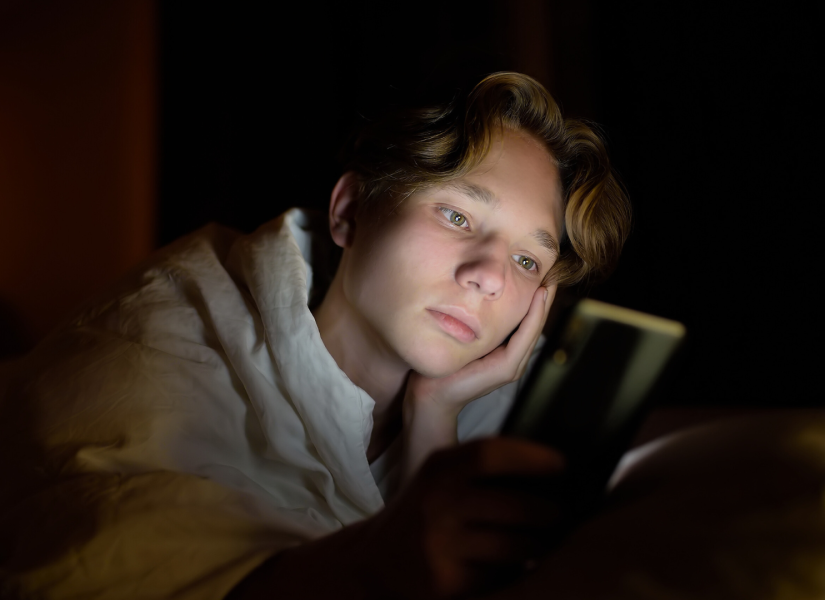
(177, 434)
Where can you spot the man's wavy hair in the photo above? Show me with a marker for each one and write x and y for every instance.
(411, 149)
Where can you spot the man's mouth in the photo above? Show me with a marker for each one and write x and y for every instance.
(453, 325)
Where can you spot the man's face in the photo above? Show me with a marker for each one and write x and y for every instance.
(450, 274)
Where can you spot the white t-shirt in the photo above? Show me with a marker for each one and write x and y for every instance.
(171, 438)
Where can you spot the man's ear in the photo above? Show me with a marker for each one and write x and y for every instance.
(343, 205)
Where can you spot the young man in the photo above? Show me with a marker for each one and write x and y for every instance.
(205, 429)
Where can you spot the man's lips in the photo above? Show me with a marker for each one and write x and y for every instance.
(456, 323)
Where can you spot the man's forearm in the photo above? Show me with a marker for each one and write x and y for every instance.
(427, 428)
(329, 567)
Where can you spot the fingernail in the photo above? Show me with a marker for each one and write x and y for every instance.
(545, 295)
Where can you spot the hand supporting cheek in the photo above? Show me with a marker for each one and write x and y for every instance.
(431, 406)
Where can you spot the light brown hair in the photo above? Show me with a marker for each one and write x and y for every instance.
(410, 149)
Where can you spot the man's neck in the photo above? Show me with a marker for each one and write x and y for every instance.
(366, 360)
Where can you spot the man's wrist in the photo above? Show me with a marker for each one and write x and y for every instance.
(428, 427)
(426, 407)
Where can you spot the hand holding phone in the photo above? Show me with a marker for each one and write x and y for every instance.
(589, 391)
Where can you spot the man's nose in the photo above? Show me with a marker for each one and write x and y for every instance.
(484, 273)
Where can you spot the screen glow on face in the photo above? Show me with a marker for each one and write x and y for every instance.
(467, 255)
(460, 220)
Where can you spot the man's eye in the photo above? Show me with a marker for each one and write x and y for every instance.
(455, 217)
(525, 262)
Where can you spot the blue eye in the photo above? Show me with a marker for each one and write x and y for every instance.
(526, 262)
(455, 217)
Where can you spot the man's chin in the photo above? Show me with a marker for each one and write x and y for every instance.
(431, 373)
(437, 364)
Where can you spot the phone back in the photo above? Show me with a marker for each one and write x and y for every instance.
(590, 388)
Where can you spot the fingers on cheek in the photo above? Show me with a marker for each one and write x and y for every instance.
(540, 304)
(538, 297)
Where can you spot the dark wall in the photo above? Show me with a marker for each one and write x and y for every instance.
(711, 114)
(256, 103)
(715, 121)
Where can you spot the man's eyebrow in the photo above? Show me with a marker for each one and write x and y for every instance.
(547, 241)
(475, 192)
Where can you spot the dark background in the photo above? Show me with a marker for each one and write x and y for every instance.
(712, 115)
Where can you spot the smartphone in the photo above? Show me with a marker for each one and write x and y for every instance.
(587, 394)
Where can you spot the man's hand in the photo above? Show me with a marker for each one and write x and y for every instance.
(452, 532)
(466, 524)
(431, 406)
